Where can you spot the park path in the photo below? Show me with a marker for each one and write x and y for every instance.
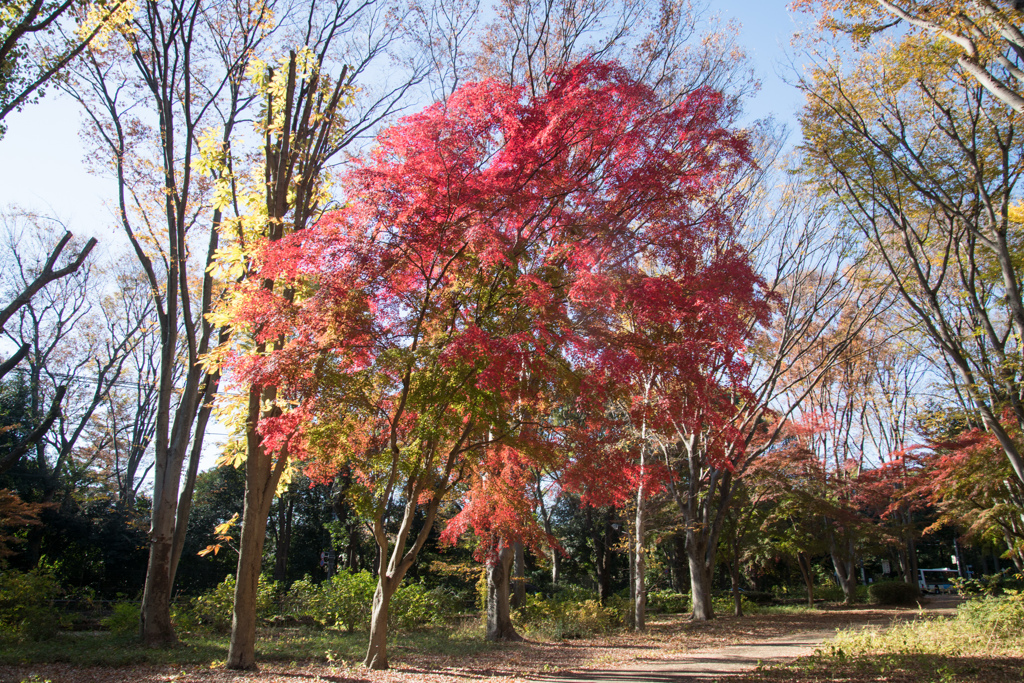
(701, 665)
(723, 662)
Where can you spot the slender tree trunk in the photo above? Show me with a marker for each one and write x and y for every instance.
(734, 576)
(804, 562)
(631, 560)
(601, 539)
(910, 575)
(284, 538)
(737, 597)
(556, 557)
(184, 507)
(519, 578)
(499, 615)
(639, 561)
(680, 575)
(545, 515)
(844, 566)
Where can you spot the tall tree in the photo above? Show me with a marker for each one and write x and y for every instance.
(885, 143)
(164, 99)
(303, 127)
(163, 95)
(475, 232)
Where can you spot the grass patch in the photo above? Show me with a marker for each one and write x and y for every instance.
(919, 668)
(963, 649)
(272, 645)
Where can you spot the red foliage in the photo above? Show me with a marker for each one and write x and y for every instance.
(500, 254)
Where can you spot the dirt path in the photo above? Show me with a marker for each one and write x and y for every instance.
(705, 665)
(723, 662)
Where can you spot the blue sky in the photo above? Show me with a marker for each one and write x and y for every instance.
(42, 154)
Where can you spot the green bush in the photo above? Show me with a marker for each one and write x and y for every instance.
(724, 604)
(571, 613)
(347, 599)
(213, 610)
(667, 602)
(124, 622)
(413, 606)
(26, 605)
(1003, 614)
(989, 584)
(343, 601)
(893, 593)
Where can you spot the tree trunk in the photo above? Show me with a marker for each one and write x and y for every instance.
(639, 562)
(804, 562)
(545, 515)
(844, 566)
(700, 580)
(911, 571)
(393, 561)
(602, 555)
(284, 537)
(262, 473)
(499, 615)
(734, 568)
(680, 573)
(242, 651)
(377, 652)
(734, 576)
(737, 597)
(519, 579)
(155, 626)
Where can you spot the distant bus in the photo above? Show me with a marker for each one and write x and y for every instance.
(936, 580)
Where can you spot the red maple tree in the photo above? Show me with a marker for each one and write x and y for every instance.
(433, 323)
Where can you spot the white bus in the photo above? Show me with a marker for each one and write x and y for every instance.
(936, 580)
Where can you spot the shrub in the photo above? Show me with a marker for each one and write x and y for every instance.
(724, 604)
(26, 605)
(214, 608)
(124, 622)
(1003, 614)
(571, 613)
(413, 606)
(667, 602)
(893, 593)
(989, 584)
(346, 601)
